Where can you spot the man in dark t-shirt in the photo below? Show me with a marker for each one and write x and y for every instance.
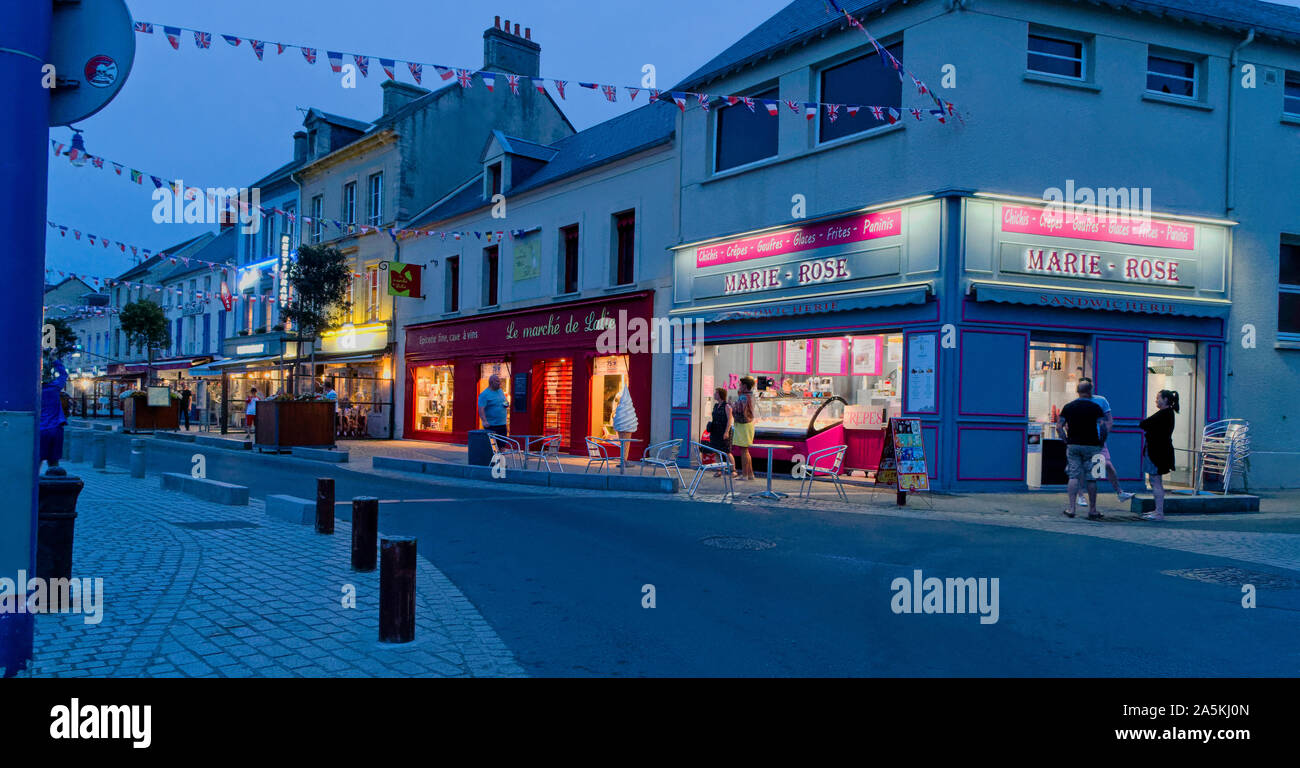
(1083, 422)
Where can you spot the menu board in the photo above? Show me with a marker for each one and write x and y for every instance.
(902, 457)
(922, 367)
(830, 357)
(798, 356)
(682, 379)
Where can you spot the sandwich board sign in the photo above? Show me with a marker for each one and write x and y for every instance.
(92, 47)
(902, 457)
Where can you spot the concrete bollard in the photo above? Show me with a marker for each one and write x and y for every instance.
(137, 458)
(77, 441)
(325, 505)
(365, 532)
(397, 590)
(98, 451)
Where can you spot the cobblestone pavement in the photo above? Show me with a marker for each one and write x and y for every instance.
(241, 595)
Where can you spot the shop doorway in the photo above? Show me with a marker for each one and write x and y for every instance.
(608, 378)
(1055, 367)
(551, 400)
(485, 372)
(1172, 365)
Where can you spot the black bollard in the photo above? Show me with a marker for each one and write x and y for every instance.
(57, 513)
(365, 532)
(397, 590)
(324, 505)
(902, 498)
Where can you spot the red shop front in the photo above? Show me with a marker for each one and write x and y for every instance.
(555, 377)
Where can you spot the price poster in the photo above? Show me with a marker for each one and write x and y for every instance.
(902, 457)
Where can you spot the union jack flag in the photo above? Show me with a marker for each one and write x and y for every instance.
(234, 41)
(610, 92)
(389, 66)
(202, 39)
(465, 78)
(653, 95)
(915, 112)
(258, 48)
(513, 80)
(920, 86)
(878, 113)
(793, 105)
(336, 60)
(703, 98)
(363, 64)
(279, 48)
(309, 54)
(173, 36)
(417, 71)
(748, 102)
(632, 92)
(97, 161)
(559, 86)
(833, 111)
(444, 72)
(489, 79)
(772, 106)
(144, 26)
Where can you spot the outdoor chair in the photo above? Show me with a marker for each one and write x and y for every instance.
(825, 462)
(598, 453)
(548, 451)
(721, 463)
(508, 449)
(663, 454)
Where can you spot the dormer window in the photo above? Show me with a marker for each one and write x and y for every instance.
(494, 179)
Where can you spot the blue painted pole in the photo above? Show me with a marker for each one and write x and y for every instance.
(24, 157)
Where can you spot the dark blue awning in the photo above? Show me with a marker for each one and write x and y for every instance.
(916, 293)
(1101, 301)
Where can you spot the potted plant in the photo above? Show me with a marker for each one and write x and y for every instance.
(285, 421)
(139, 416)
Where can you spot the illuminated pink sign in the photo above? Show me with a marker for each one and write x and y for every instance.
(838, 232)
(1038, 221)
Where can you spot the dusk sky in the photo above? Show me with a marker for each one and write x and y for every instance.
(220, 118)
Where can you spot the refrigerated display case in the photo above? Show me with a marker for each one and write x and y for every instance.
(804, 424)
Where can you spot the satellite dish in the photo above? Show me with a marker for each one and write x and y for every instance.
(92, 47)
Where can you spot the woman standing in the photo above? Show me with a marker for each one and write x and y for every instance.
(250, 410)
(1158, 459)
(743, 429)
(720, 425)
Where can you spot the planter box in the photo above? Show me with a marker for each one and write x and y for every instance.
(294, 423)
(139, 416)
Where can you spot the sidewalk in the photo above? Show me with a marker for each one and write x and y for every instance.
(193, 589)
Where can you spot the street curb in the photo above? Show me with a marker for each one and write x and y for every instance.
(209, 490)
(532, 477)
(291, 509)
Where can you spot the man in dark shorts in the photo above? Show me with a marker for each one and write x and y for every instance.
(1083, 423)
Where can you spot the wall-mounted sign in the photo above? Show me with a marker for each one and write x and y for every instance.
(832, 359)
(801, 274)
(852, 229)
(1079, 226)
(922, 373)
(1096, 265)
(404, 279)
(528, 256)
(249, 349)
(196, 307)
(364, 338)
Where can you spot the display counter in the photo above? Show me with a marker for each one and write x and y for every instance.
(804, 424)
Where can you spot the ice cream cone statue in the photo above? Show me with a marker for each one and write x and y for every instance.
(625, 422)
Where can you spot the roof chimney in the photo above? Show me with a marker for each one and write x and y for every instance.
(299, 146)
(506, 51)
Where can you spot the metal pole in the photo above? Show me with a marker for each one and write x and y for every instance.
(24, 159)
(397, 590)
(365, 532)
(324, 505)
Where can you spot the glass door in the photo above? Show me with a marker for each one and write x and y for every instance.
(485, 372)
(1172, 365)
(608, 377)
(1054, 372)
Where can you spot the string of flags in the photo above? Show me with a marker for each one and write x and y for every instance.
(178, 188)
(465, 78)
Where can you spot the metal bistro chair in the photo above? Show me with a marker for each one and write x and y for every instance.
(721, 463)
(598, 452)
(548, 451)
(508, 449)
(814, 468)
(1225, 446)
(664, 455)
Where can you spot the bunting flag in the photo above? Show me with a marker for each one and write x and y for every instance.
(136, 176)
(652, 95)
(259, 48)
(513, 80)
(446, 73)
(915, 112)
(810, 110)
(489, 79)
(97, 161)
(773, 108)
(832, 111)
(144, 27)
(591, 86)
(631, 93)
(559, 86)
(680, 99)
(58, 147)
(852, 109)
(417, 71)
(793, 105)
(610, 92)
(202, 39)
(390, 68)
(540, 84)
(465, 78)
(336, 60)
(893, 115)
(363, 64)
(938, 115)
(878, 113)
(279, 49)
(309, 54)
(703, 98)
(232, 40)
(173, 36)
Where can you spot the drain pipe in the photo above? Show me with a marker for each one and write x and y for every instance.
(1230, 201)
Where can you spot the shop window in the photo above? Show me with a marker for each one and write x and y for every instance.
(866, 81)
(452, 289)
(608, 378)
(1056, 56)
(1291, 94)
(743, 135)
(556, 382)
(1172, 76)
(433, 398)
(1288, 297)
(1054, 373)
(485, 372)
(569, 259)
(624, 248)
(491, 275)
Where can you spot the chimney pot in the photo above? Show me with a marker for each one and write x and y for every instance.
(516, 29)
(507, 26)
(497, 22)
(528, 33)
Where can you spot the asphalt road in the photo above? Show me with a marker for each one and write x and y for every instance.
(763, 591)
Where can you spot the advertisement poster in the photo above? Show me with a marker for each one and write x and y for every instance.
(902, 457)
(798, 356)
(922, 370)
(528, 256)
(1034, 437)
(866, 355)
(830, 357)
(159, 396)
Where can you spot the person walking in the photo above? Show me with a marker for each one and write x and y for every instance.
(1083, 423)
(492, 407)
(250, 410)
(186, 395)
(720, 427)
(1158, 456)
(743, 426)
(1109, 425)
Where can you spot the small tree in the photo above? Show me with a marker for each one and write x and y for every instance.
(319, 282)
(144, 323)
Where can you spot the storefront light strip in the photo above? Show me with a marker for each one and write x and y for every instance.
(1040, 202)
(1103, 291)
(806, 297)
(261, 264)
(804, 222)
(357, 329)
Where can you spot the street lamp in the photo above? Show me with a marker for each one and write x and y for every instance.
(78, 153)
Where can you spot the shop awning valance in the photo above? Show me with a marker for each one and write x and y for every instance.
(233, 365)
(1100, 301)
(916, 293)
(165, 365)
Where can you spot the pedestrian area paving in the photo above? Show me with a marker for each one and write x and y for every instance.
(194, 589)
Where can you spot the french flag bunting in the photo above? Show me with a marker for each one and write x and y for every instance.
(465, 78)
(513, 80)
(893, 115)
(732, 100)
(173, 36)
(144, 26)
(58, 147)
(390, 68)
(336, 60)
(592, 86)
(852, 109)
(92, 238)
(363, 64)
(76, 233)
(259, 48)
(417, 71)
(938, 115)
(309, 54)
(489, 79)
(810, 109)
(234, 41)
(104, 242)
(632, 92)
(773, 108)
(680, 99)
(559, 86)
(446, 73)
(202, 39)
(540, 84)
(610, 92)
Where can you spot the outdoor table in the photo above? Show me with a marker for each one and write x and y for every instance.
(769, 493)
(622, 450)
(526, 442)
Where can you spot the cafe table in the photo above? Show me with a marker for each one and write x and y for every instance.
(769, 493)
(622, 450)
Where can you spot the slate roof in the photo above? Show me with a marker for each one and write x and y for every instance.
(220, 248)
(616, 138)
(805, 19)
